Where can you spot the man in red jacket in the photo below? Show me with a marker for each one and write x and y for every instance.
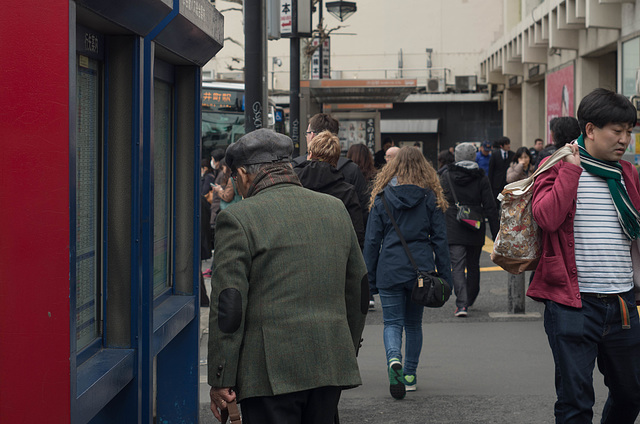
(587, 208)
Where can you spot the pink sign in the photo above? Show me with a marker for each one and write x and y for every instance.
(560, 95)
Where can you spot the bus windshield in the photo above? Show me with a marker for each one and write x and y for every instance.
(222, 115)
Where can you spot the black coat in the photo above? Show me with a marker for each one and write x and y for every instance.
(353, 176)
(324, 178)
(472, 189)
(205, 183)
(498, 171)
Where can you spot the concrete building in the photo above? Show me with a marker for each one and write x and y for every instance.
(553, 53)
(433, 47)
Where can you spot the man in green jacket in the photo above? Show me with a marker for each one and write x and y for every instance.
(289, 292)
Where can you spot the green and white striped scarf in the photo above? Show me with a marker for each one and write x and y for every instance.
(611, 172)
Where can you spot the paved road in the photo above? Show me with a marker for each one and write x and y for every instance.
(473, 370)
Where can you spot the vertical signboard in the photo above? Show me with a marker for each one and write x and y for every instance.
(295, 18)
(286, 18)
(560, 95)
(316, 66)
(371, 133)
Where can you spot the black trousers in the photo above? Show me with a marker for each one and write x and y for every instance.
(314, 406)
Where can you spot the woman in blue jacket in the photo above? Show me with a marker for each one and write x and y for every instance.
(417, 203)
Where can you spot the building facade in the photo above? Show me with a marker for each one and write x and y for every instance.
(553, 53)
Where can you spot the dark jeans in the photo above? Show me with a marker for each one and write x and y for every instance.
(314, 406)
(580, 336)
(466, 287)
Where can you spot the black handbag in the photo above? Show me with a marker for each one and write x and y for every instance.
(466, 216)
(430, 289)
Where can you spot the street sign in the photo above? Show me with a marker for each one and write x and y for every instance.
(295, 18)
(315, 60)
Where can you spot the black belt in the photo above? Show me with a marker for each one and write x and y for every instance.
(624, 311)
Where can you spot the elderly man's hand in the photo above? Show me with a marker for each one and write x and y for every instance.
(220, 396)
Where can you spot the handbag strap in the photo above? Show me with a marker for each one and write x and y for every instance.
(395, 225)
(453, 191)
(556, 157)
(234, 413)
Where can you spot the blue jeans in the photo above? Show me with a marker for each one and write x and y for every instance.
(580, 336)
(400, 313)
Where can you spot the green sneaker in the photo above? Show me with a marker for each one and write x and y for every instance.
(396, 379)
(410, 382)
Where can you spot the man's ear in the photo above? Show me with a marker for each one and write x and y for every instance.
(242, 174)
(589, 130)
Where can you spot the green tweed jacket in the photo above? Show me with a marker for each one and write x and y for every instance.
(289, 294)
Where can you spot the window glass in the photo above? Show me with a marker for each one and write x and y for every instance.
(87, 200)
(161, 186)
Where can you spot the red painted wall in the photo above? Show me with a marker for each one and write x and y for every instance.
(34, 212)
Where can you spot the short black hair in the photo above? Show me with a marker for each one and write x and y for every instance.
(564, 130)
(324, 122)
(217, 155)
(502, 141)
(602, 107)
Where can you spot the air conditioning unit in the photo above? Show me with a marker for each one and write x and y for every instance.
(230, 76)
(466, 83)
(436, 85)
(208, 75)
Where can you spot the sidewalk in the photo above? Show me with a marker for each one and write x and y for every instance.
(477, 369)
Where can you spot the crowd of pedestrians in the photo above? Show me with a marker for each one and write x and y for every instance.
(298, 261)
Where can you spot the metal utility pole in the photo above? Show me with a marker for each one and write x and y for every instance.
(295, 22)
(294, 94)
(255, 53)
(516, 293)
(321, 45)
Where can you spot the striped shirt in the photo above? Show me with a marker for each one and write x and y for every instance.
(603, 252)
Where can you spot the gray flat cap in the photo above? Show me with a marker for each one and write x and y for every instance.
(259, 146)
(465, 151)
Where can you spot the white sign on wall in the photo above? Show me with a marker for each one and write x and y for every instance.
(295, 18)
(286, 18)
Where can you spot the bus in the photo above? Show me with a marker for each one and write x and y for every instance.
(223, 106)
(222, 115)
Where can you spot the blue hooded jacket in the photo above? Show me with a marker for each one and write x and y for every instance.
(424, 228)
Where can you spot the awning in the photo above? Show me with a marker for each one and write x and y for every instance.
(360, 91)
(409, 126)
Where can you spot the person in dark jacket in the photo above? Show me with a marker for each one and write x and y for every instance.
(564, 129)
(319, 174)
(206, 177)
(206, 245)
(417, 204)
(472, 188)
(499, 162)
(325, 122)
(378, 159)
(361, 156)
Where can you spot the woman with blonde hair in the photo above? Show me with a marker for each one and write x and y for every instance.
(417, 203)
